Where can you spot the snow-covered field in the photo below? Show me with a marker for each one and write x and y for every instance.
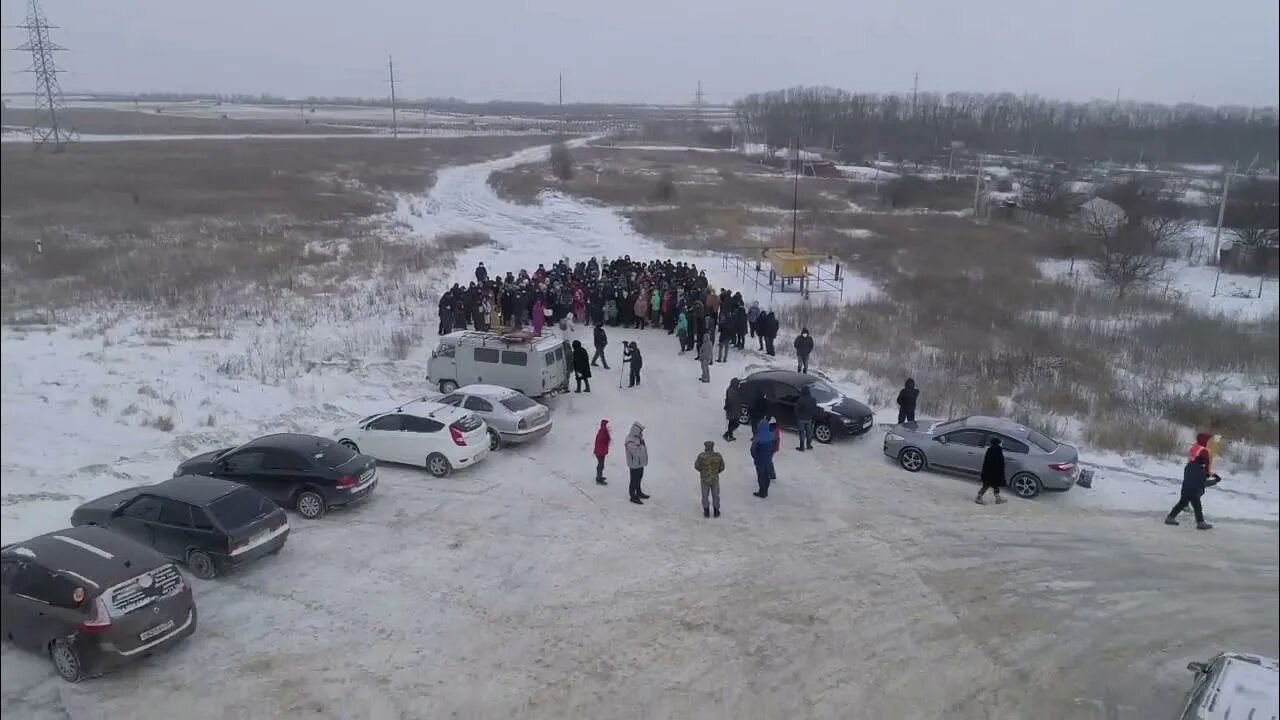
(519, 588)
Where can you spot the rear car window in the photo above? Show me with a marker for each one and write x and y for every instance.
(1042, 441)
(516, 403)
(335, 455)
(240, 508)
(466, 424)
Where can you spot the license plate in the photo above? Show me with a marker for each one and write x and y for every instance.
(156, 630)
(866, 423)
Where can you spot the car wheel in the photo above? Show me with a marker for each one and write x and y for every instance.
(1025, 485)
(744, 415)
(495, 440)
(201, 565)
(438, 465)
(822, 433)
(66, 661)
(911, 460)
(310, 504)
(349, 445)
(448, 386)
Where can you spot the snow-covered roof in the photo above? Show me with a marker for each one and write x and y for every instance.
(1102, 210)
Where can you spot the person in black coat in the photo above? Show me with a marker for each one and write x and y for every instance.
(806, 408)
(601, 340)
(907, 397)
(732, 408)
(992, 472)
(1195, 478)
(631, 356)
(804, 346)
(581, 367)
(769, 329)
(446, 313)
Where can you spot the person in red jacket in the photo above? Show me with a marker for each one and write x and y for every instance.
(1202, 446)
(601, 450)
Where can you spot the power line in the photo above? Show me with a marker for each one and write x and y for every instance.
(49, 103)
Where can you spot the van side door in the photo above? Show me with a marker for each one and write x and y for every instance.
(486, 364)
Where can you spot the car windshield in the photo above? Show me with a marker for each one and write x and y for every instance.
(334, 455)
(516, 403)
(1042, 441)
(823, 391)
(240, 508)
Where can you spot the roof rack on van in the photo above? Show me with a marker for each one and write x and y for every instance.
(510, 337)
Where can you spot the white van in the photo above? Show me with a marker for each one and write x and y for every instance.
(534, 365)
(1234, 685)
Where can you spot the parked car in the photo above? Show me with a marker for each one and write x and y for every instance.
(836, 413)
(424, 433)
(311, 474)
(513, 418)
(1234, 685)
(1033, 461)
(212, 525)
(534, 365)
(92, 600)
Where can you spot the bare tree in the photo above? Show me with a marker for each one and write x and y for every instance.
(1046, 193)
(1128, 257)
(1253, 214)
(561, 161)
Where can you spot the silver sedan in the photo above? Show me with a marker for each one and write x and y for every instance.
(1033, 461)
(512, 417)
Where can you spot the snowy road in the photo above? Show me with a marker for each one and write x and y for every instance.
(519, 588)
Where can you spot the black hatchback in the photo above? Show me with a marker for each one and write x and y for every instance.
(211, 525)
(305, 472)
(780, 389)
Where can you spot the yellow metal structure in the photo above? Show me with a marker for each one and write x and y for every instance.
(790, 264)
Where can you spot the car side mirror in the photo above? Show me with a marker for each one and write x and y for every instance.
(1198, 667)
(941, 438)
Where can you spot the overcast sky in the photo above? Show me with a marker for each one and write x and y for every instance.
(1224, 51)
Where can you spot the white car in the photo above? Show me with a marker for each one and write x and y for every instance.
(423, 433)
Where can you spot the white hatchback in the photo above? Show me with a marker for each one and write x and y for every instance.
(423, 433)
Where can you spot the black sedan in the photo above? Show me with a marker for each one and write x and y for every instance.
(305, 472)
(776, 392)
(211, 525)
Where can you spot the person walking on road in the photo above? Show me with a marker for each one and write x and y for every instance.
(1195, 478)
(762, 449)
(992, 472)
(601, 340)
(907, 397)
(806, 408)
(601, 450)
(804, 346)
(637, 459)
(704, 359)
(709, 465)
(732, 408)
(581, 367)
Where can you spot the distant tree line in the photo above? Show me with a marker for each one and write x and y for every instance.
(861, 124)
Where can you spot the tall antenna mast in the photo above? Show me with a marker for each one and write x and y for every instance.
(915, 90)
(47, 128)
(697, 102)
(395, 122)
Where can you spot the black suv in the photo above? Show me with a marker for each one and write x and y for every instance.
(91, 600)
(780, 389)
(212, 525)
(309, 473)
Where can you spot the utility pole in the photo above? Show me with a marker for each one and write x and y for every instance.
(795, 199)
(697, 102)
(46, 128)
(1222, 214)
(395, 120)
(915, 90)
(564, 122)
(977, 183)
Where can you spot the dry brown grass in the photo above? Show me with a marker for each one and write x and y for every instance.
(126, 122)
(178, 222)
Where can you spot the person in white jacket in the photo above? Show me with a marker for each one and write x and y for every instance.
(637, 459)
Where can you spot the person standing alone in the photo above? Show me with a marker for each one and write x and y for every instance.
(992, 472)
(637, 459)
(804, 346)
(632, 357)
(581, 367)
(907, 397)
(732, 408)
(704, 358)
(806, 408)
(762, 449)
(709, 465)
(601, 450)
